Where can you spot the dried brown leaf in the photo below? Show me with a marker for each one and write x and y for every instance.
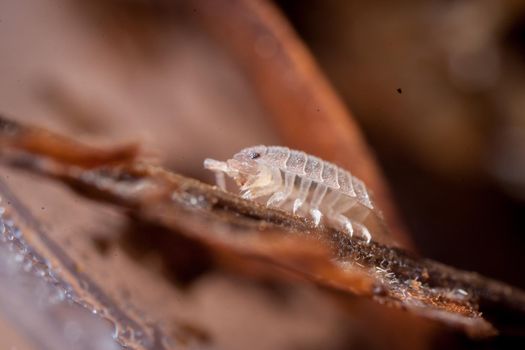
(229, 225)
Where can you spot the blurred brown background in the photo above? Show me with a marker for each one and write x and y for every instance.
(437, 87)
(439, 90)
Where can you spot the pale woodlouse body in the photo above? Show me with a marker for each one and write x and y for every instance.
(308, 183)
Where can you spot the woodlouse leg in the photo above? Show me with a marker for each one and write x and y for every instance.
(259, 192)
(317, 198)
(303, 193)
(280, 197)
(359, 218)
(348, 226)
(344, 206)
(331, 200)
(364, 231)
(345, 223)
(256, 192)
(220, 180)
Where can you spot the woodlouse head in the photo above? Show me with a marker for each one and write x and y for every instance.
(251, 154)
(248, 160)
(251, 171)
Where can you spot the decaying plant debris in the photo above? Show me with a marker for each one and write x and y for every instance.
(229, 226)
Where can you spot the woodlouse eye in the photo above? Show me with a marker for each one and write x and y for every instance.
(254, 155)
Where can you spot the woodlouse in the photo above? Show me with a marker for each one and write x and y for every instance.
(312, 185)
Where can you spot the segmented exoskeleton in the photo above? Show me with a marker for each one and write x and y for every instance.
(310, 185)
